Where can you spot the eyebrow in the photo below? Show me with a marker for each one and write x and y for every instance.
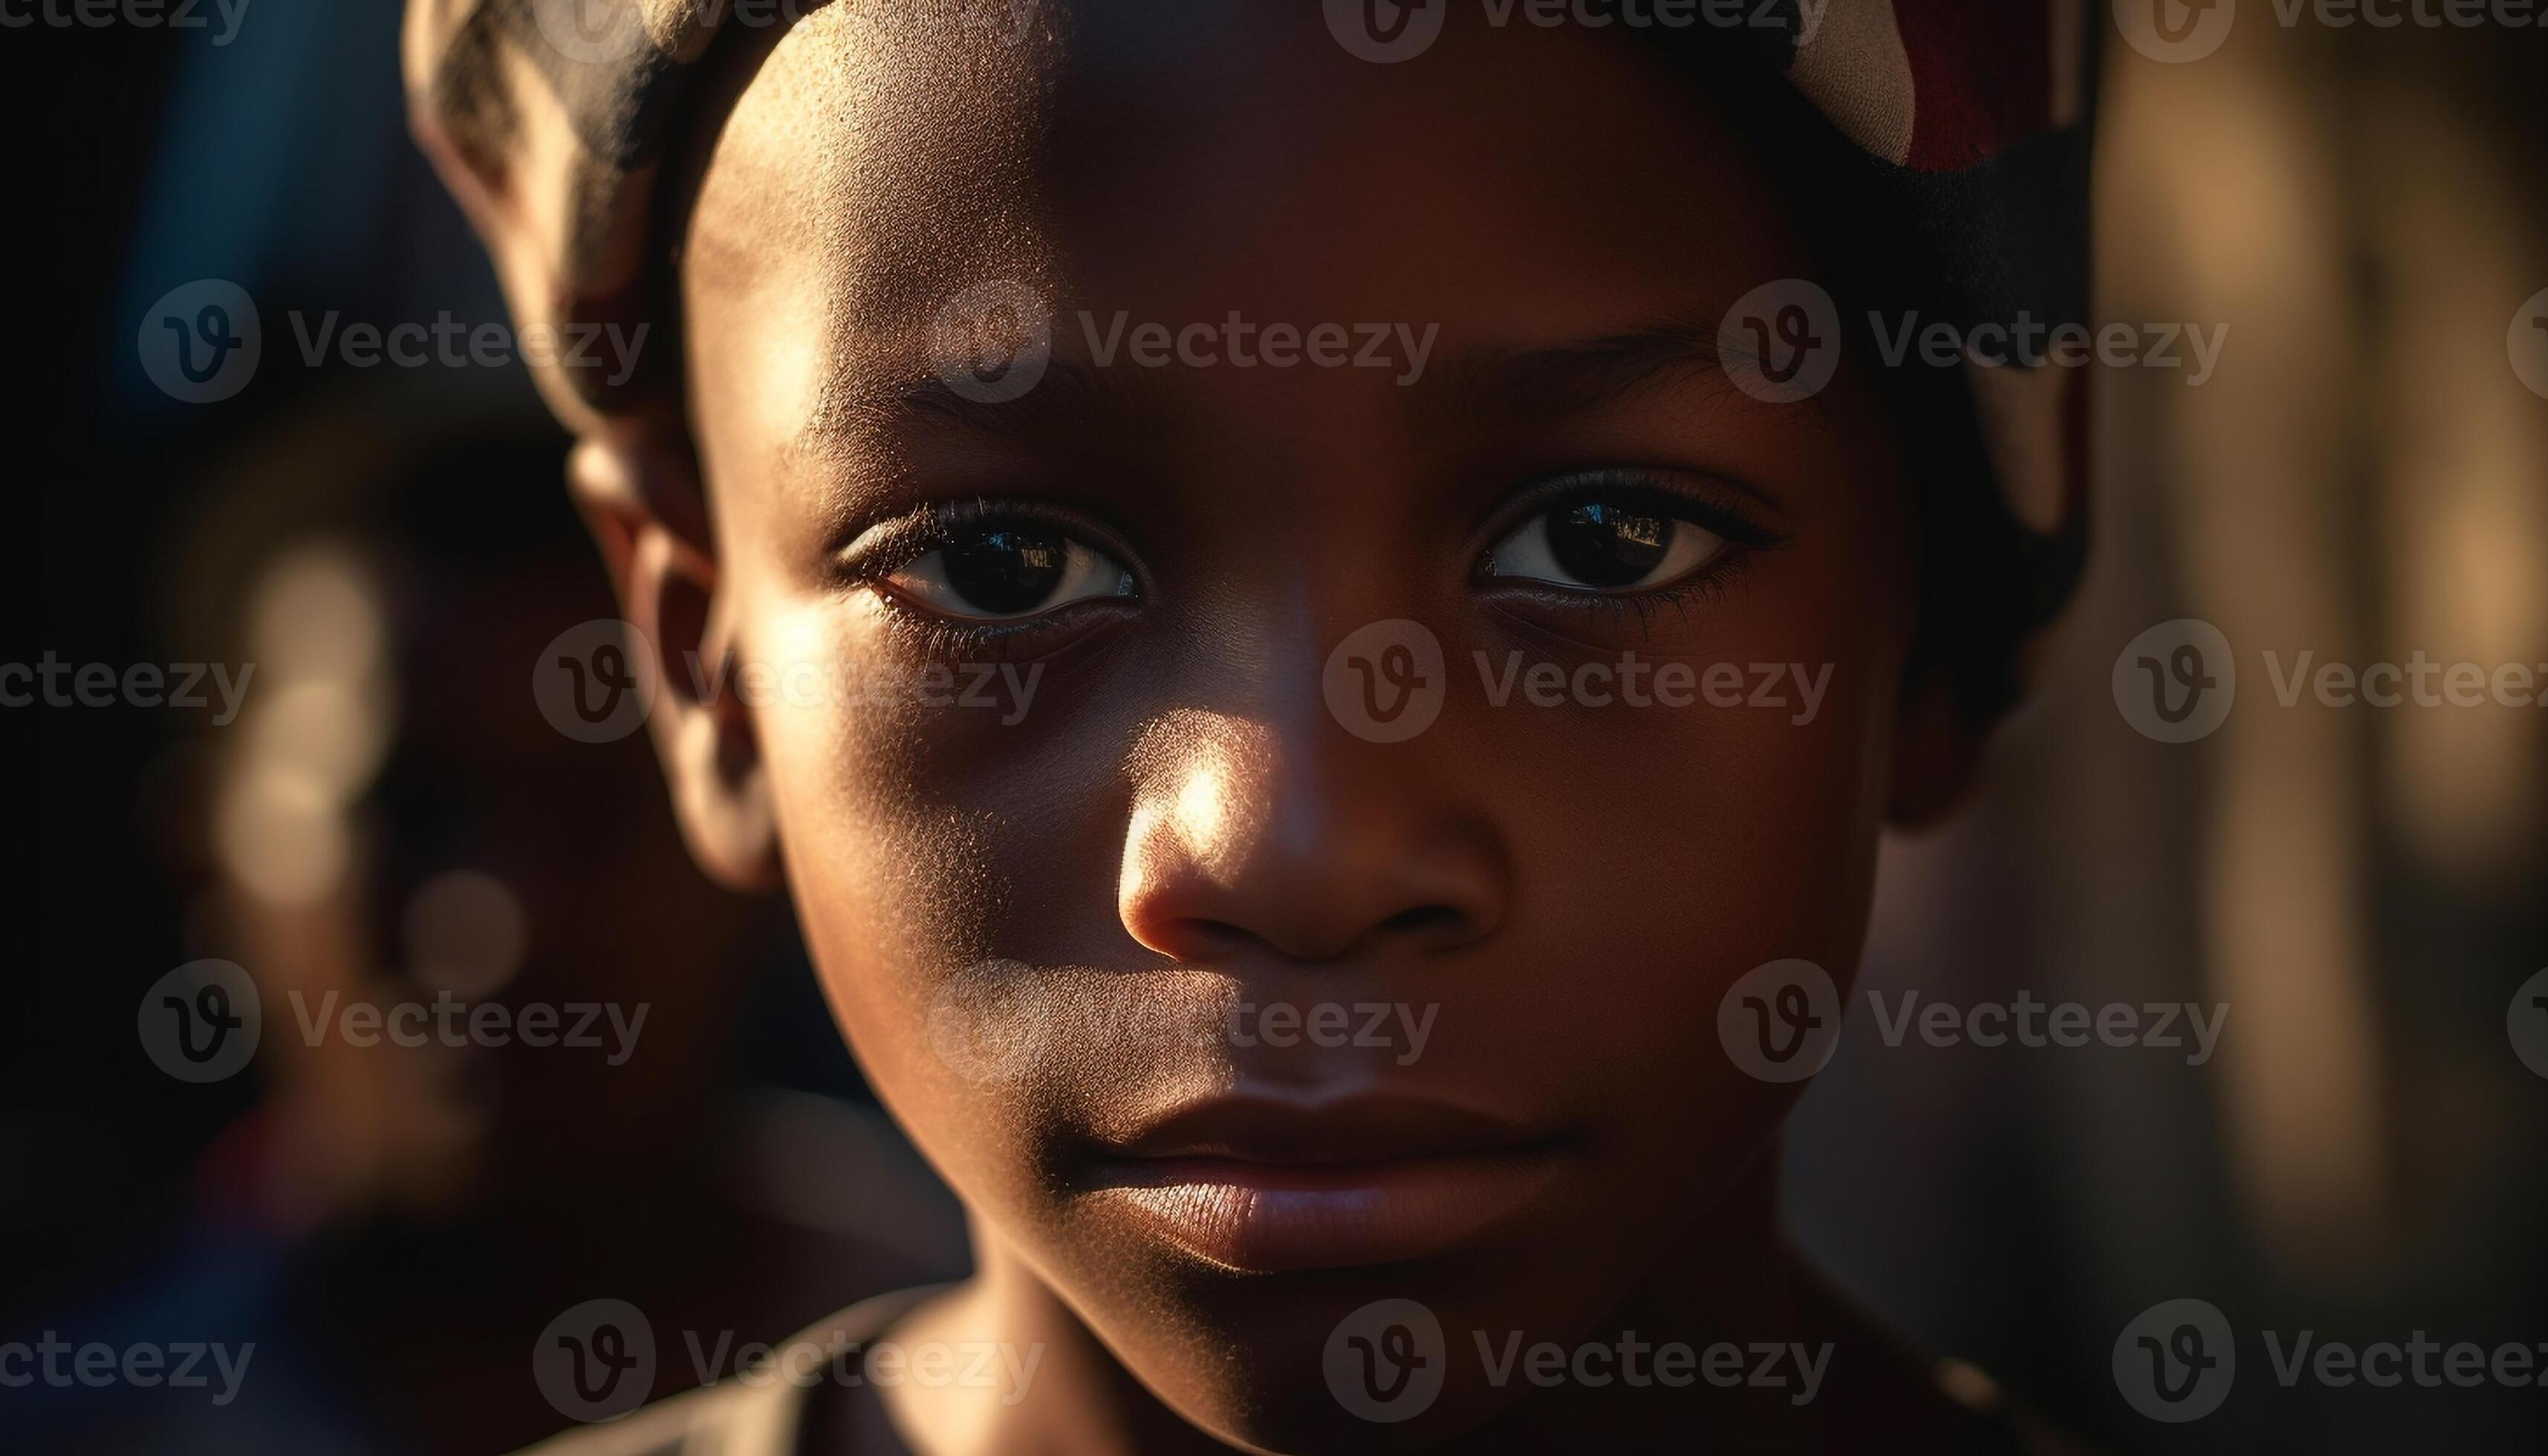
(1538, 385)
(1512, 387)
(1071, 397)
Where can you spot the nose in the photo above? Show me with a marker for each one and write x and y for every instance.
(1308, 843)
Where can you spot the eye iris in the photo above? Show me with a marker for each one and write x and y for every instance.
(1006, 571)
(1605, 546)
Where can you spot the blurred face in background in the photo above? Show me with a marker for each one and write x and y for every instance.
(393, 824)
(1104, 800)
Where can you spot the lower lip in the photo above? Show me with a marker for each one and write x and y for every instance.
(1281, 1217)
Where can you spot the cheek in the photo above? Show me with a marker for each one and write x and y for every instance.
(931, 843)
(1664, 851)
(1683, 849)
(895, 887)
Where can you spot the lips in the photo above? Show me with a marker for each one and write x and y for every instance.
(1263, 1186)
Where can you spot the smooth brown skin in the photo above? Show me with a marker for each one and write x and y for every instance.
(1585, 881)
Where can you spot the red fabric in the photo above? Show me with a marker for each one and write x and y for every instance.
(1982, 72)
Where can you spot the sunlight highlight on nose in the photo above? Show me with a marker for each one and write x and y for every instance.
(1202, 810)
(1199, 781)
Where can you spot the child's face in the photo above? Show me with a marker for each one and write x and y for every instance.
(1178, 832)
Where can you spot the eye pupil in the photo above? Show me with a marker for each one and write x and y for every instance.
(1006, 571)
(1603, 545)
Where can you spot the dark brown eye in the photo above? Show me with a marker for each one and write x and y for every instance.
(1603, 546)
(998, 572)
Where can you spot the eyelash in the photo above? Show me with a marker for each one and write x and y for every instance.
(931, 637)
(1709, 584)
(940, 524)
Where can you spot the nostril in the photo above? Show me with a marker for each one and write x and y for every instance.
(1425, 921)
(1219, 936)
(1197, 938)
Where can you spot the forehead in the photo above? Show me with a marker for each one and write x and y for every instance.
(1182, 162)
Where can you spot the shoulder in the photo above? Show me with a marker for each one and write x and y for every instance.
(744, 1416)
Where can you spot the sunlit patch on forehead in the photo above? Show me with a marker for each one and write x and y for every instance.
(883, 154)
(879, 163)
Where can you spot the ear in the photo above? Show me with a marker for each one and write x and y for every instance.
(1937, 755)
(637, 485)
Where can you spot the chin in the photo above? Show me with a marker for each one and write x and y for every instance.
(1368, 1358)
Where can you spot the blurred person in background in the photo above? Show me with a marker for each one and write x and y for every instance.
(394, 825)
